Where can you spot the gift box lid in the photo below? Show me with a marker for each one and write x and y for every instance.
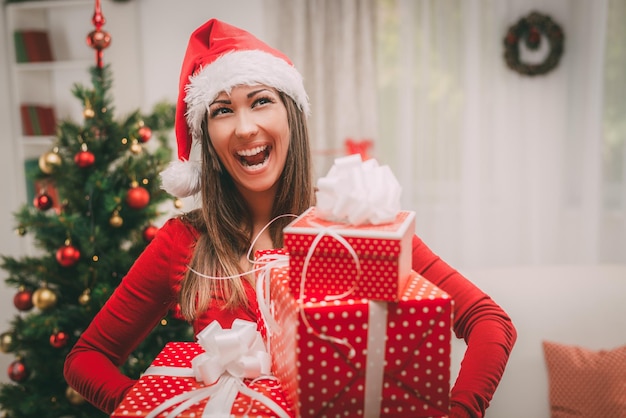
(309, 224)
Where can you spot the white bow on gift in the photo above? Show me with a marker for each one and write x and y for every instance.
(230, 356)
(358, 192)
(239, 352)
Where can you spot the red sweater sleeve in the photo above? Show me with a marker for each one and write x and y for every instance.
(136, 306)
(485, 327)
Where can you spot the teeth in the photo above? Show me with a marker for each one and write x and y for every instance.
(256, 167)
(251, 152)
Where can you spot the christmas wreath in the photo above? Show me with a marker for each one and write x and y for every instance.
(530, 29)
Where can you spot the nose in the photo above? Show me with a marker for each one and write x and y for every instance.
(246, 126)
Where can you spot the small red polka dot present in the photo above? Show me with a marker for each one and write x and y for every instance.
(359, 357)
(341, 260)
(154, 391)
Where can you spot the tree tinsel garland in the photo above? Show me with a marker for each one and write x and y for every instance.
(530, 29)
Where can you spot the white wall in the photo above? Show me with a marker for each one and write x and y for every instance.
(165, 27)
(149, 38)
(9, 244)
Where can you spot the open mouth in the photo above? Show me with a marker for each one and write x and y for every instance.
(254, 158)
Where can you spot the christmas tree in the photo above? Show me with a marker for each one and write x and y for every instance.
(94, 211)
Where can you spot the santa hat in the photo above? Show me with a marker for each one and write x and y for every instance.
(219, 57)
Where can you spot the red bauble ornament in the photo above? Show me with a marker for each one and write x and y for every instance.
(149, 233)
(43, 202)
(137, 197)
(17, 371)
(145, 134)
(68, 255)
(98, 39)
(59, 340)
(23, 300)
(84, 159)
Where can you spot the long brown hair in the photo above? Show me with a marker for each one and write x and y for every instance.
(225, 224)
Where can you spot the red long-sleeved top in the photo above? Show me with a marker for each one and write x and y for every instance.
(152, 285)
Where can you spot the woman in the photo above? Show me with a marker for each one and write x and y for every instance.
(244, 105)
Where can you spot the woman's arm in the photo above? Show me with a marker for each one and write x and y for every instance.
(137, 305)
(485, 327)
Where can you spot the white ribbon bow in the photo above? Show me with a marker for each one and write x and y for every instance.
(230, 356)
(358, 192)
(239, 352)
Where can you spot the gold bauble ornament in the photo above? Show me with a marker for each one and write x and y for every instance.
(49, 161)
(85, 297)
(89, 113)
(44, 298)
(116, 220)
(178, 203)
(73, 397)
(136, 147)
(6, 342)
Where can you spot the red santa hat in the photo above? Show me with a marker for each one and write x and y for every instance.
(219, 57)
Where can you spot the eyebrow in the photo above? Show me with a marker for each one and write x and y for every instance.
(249, 95)
(255, 92)
(223, 101)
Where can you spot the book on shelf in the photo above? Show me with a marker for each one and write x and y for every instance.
(38, 119)
(32, 45)
(20, 48)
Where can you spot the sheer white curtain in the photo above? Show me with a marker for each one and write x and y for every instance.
(613, 242)
(332, 44)
(502, 169)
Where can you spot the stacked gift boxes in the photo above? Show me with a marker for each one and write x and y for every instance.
(381, 350)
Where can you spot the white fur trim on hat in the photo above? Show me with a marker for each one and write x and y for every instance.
(235, 68)
(181, 178)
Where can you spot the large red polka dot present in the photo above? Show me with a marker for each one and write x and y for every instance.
(152, 391)
(329, 259)
(363, 358)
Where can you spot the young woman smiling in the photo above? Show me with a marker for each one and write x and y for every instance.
(244, 105)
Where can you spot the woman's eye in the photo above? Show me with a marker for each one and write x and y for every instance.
(219, 111)
(261, 101)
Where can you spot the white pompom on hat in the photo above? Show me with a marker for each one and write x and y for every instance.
(219, 57)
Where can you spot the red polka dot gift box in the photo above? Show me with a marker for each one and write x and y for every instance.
(169, 389)
(359, 357)
(329, 259)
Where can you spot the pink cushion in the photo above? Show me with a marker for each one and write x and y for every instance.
(586, 383)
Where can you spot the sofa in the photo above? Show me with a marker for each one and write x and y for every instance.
(577, 306)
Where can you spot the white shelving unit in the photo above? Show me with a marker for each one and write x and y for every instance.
(67, 23)
(49, 83)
